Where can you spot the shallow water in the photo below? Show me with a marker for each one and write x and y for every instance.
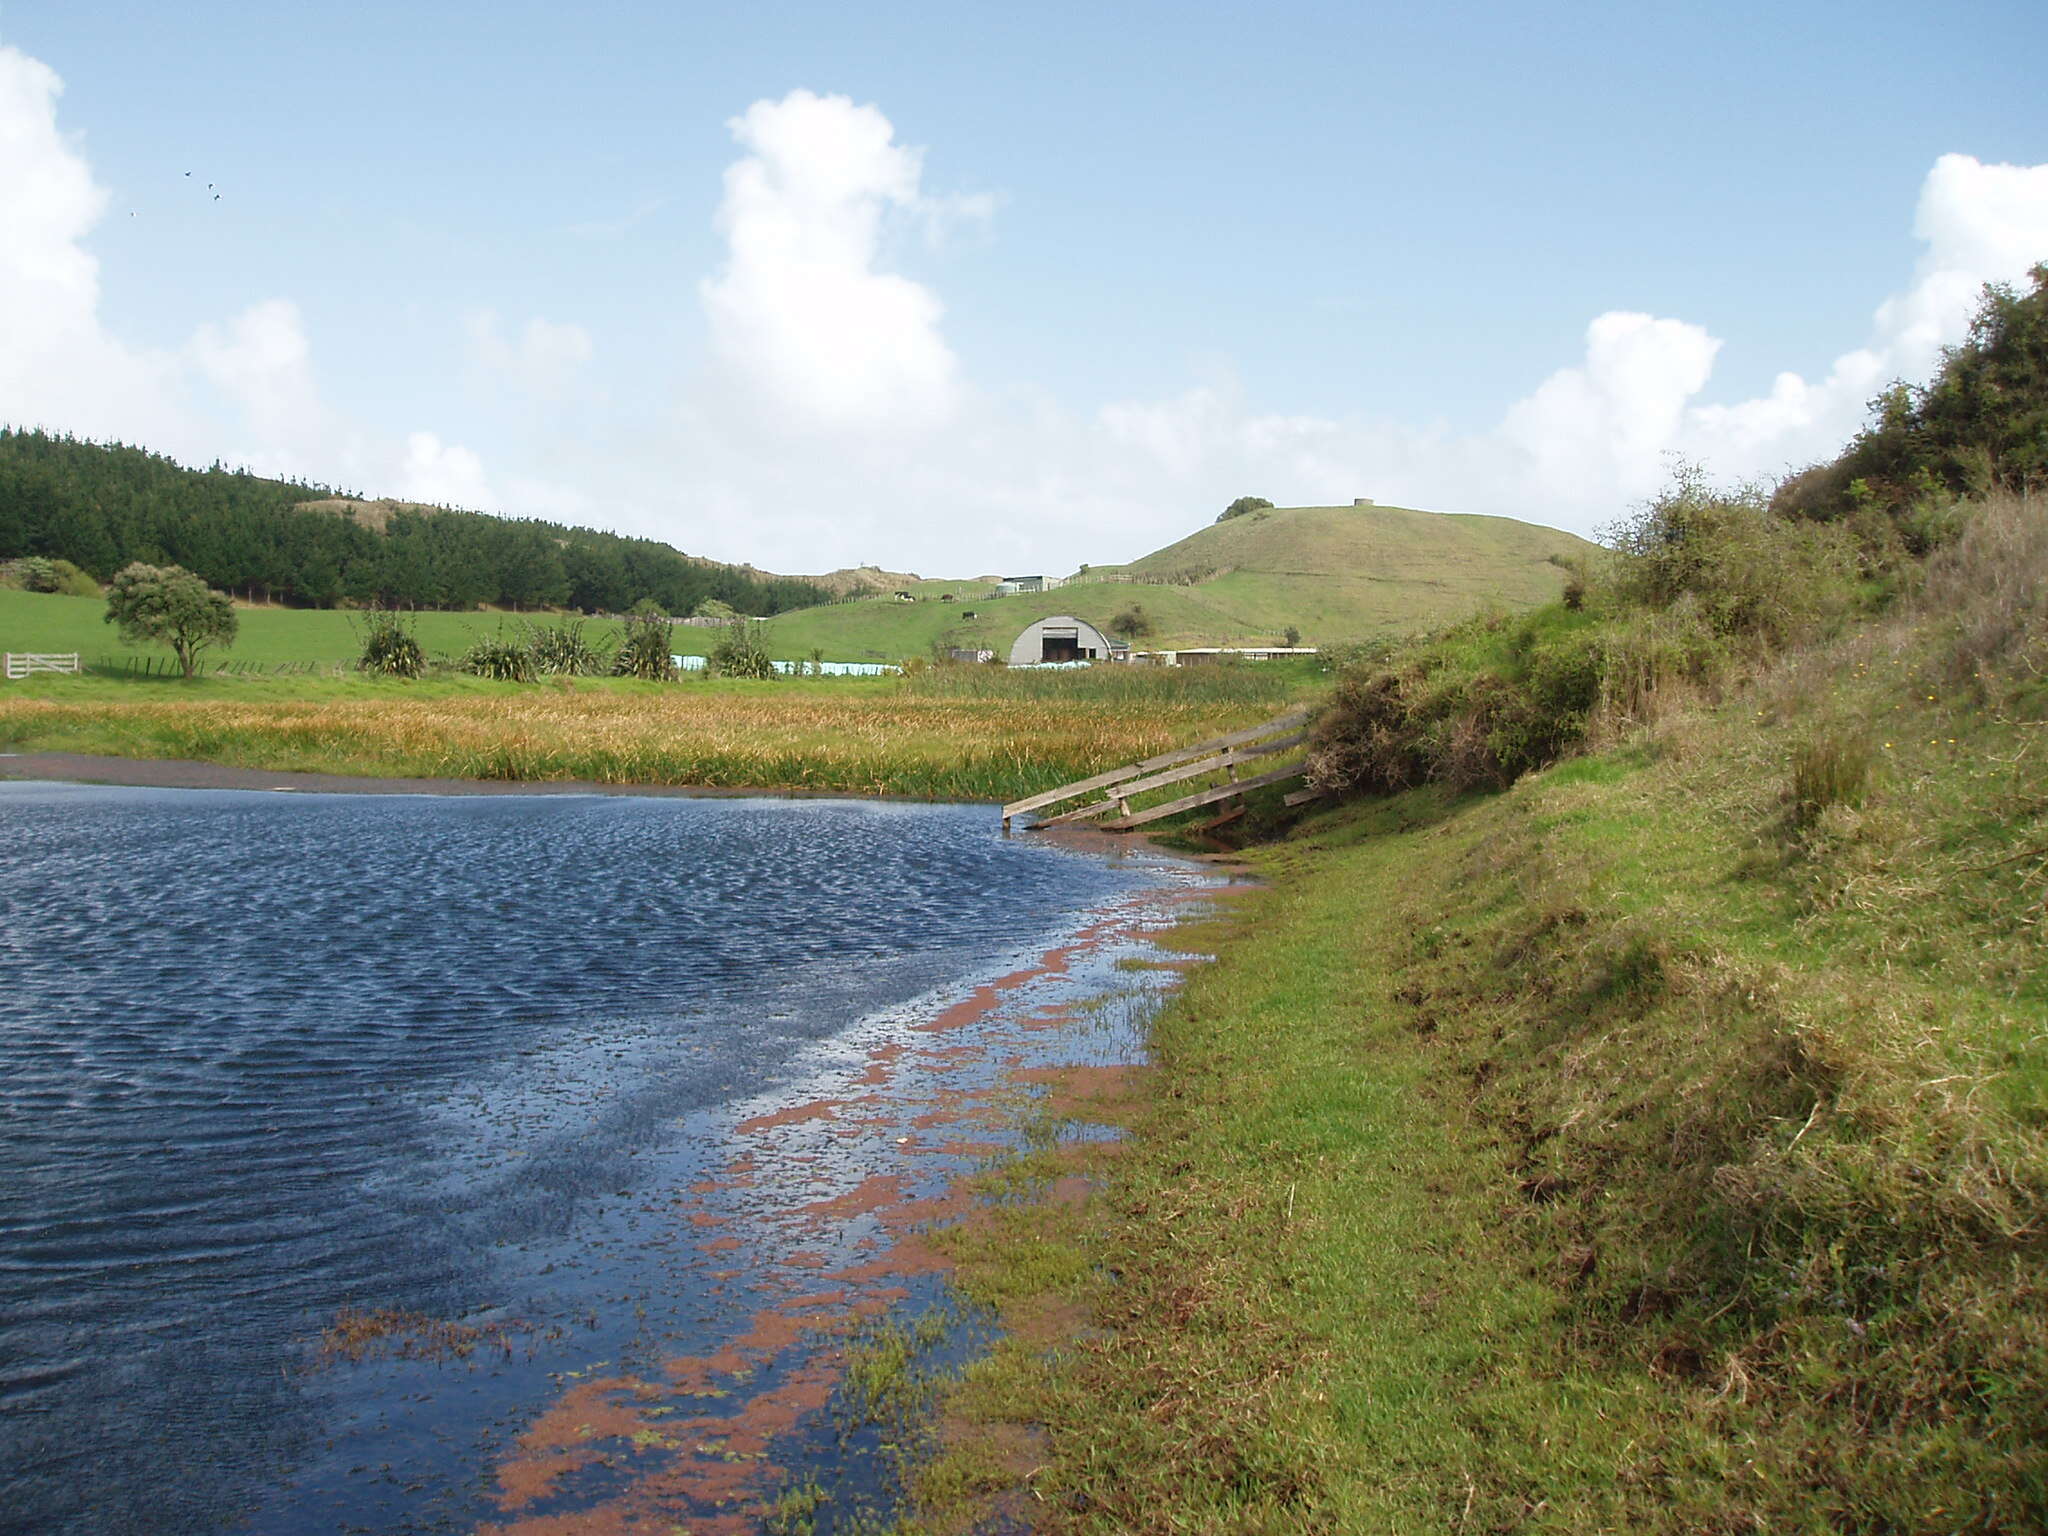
(266, 1056)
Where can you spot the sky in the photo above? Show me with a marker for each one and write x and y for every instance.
(971, 289)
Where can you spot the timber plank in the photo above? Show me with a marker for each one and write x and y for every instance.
(1292, 718)
(1125, 792)
(1204, 797)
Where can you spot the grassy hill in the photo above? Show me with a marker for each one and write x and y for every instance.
(1335, 574)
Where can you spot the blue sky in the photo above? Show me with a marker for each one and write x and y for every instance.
(1011, 287)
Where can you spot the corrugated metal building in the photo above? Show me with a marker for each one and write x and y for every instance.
(1061, 638)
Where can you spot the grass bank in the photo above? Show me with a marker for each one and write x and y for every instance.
(1659, 1145)
(913, 737)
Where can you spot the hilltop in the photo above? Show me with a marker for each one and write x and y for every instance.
(1334, 574)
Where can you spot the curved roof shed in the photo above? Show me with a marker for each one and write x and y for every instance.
(1059, 638)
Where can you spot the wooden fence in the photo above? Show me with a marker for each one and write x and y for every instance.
(1225, 755)
(167, 666)
(22, 663)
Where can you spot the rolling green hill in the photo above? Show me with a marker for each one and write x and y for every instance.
(1336, 574)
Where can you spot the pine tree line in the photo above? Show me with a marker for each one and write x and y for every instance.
(101, 505)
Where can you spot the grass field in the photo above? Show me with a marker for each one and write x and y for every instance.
(1660, 1146)
(35, 621)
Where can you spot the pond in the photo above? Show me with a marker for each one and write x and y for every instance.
(341, 1136)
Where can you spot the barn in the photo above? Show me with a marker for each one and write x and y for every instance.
(1061, 638)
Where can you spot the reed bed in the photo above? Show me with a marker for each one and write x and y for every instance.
(1227, 684)
(770, 737)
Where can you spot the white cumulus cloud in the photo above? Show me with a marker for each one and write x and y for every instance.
(58, 367)
(543, 359)
(801, 316)
(1977, 224)
(445, 474)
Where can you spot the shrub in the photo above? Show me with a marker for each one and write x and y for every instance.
(1480, 704)
(1133, 622)
(69, 581)
(644, 649)
(505, 660)
(1241, 506)
(559, 650)
(1754, 574)
(34, 573)
(390, 648)
(740, 654)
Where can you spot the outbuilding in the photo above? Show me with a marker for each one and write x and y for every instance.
(1061, 638)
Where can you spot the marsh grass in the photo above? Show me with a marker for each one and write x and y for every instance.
(1247, 684)
(844, 736)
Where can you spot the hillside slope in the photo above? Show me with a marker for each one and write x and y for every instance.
(1335, 574)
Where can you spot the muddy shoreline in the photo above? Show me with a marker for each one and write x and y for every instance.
(821, 1225)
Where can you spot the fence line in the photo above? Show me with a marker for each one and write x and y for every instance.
(22, 663)
(167, 666)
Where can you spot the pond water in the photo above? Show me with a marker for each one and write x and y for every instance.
(265, 1057)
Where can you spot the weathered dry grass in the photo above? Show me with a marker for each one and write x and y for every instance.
(768, 737)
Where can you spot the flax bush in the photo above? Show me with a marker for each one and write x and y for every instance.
(390, 648)
(506, 661)
(560, 650)
(645, 652)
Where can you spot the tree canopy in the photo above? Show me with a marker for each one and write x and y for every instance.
(1242, 505)
(1980, 423)
(168, 605)
(104, 505)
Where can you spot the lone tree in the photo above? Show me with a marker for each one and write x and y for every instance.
(1242, 505)
(168, 605)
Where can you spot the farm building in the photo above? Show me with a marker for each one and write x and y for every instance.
(1061, 638)
(1011, 585)
(1204, 655)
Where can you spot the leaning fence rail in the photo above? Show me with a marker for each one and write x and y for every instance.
(1119, 786)
(22, 663)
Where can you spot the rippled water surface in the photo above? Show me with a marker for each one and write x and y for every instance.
(263, 1056)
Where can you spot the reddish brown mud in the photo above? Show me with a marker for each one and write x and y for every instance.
(825, 1210)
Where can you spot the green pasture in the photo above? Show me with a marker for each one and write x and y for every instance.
(35, 621)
